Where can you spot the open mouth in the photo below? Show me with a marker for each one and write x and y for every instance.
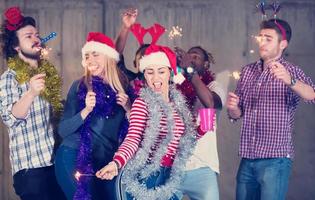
(37, 46)
(157, 86)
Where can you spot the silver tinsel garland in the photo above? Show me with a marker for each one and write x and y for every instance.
(138, 167)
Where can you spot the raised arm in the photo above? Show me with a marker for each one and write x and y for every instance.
(128, 19)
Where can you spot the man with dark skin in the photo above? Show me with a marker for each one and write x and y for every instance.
(201, 91)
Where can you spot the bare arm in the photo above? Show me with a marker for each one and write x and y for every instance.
(128, 19)
(22, 106)
(208, 98)
(304, 91)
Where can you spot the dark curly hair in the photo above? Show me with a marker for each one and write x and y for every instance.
(207, 55)
(9, 38)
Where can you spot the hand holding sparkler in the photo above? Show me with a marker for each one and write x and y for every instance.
(279, 72)
(108, 172)
(183, 58)
(37, 84)
(232, 105)
(129, 17)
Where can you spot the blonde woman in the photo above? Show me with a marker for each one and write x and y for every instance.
(94, 119)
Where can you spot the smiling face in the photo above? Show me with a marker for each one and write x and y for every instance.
(29, 42)
(95, 63)
(157, 78)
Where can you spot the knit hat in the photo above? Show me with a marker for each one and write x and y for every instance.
(99, 42)
(160, 56)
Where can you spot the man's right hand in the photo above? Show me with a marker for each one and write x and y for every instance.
(184, 59)
(232, 102)
(37, 84)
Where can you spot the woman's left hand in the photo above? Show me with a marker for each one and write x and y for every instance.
(123, 100)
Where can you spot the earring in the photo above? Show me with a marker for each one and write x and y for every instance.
(206, 65)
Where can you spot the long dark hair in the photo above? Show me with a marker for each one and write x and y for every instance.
(9, 38)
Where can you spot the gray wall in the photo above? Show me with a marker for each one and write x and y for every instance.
(223, 27)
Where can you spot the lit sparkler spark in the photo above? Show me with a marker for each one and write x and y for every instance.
(78, 175)
(45, 52)
(236, 75)
(175, 31)
(258, 39)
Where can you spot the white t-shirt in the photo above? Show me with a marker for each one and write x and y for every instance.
(206, 153)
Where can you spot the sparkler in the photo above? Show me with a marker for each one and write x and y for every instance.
(175, 31)
(235, 75)
(45, 52)
(78, 175)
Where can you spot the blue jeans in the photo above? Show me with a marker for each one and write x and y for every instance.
(263, 179)
(65, 163)
(200, 184)
(154, 180)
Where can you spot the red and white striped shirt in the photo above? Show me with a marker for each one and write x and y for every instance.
(138, 121)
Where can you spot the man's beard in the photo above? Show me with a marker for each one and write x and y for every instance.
(31, 56)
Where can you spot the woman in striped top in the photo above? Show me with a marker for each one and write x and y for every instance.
(160, 137)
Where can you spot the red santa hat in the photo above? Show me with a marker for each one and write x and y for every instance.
(156, 55)
(99, 42)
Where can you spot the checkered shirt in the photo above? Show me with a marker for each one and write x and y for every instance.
(268, 107)
(31, 139)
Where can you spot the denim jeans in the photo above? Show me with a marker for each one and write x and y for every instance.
(200, 184)
(154, 180)
(263, 179)
(64, 167)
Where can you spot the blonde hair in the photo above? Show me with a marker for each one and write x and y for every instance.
(112, 75)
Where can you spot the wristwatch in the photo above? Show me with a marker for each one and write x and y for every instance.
(190, 71)
(293, 81)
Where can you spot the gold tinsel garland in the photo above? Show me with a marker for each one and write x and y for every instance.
(52, 91)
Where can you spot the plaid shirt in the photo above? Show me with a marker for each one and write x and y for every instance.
(268, 107)
(31, 139)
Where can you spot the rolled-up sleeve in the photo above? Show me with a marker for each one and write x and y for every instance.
(9, 95)
(300, 75)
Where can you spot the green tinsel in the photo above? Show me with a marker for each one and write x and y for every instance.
(52, 91)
